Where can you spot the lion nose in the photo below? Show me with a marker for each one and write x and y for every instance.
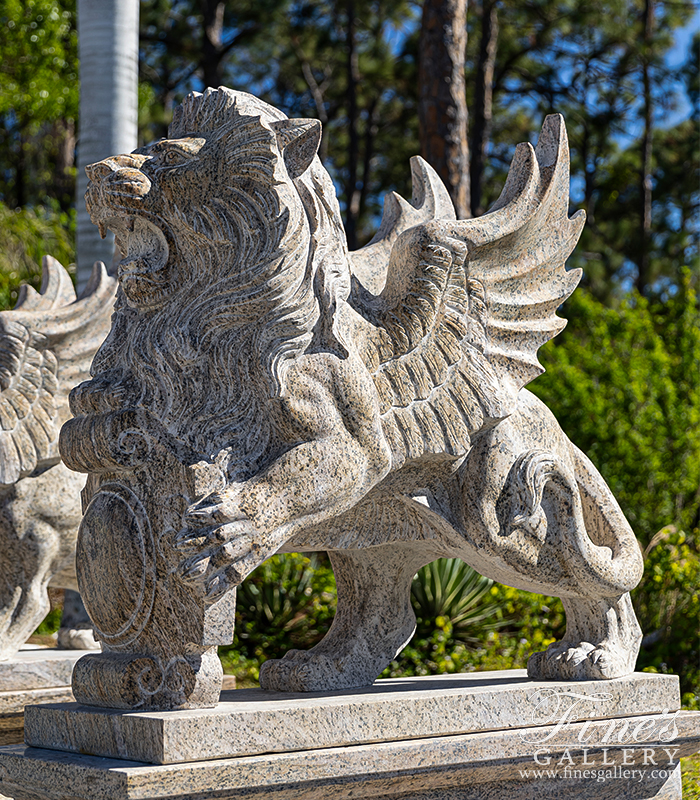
(101, 169)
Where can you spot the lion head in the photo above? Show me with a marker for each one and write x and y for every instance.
(210, 200)
(231, 244)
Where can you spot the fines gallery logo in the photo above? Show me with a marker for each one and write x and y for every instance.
(571, 745)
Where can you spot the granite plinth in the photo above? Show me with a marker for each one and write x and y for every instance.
(251, 721)
(38, 668)
(33, 675)
(494, 765)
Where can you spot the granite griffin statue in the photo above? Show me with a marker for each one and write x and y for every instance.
(262, 389)
(46, 345)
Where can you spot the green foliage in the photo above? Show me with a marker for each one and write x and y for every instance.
(448, 591)
(587, 61)
(624, 386)
(38, 101)
(520, 623)
(690, 776)
(39, 54)
(668, 604)
(295, 55)
(288, 601)
(26, 236)
(51, 622)
(609, 245)
(367, 103)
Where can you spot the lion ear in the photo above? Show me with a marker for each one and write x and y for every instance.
(298, 140)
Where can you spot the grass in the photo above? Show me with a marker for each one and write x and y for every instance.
(690, 774)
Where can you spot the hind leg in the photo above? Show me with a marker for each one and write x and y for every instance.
(602, 641)
(539, 516)
(374, 621)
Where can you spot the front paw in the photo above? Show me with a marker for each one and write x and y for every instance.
(223, 543)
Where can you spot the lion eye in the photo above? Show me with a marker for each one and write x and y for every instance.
(171, 157)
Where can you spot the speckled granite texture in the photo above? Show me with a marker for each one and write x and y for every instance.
(478, 766)
(262, 390)
(47, 343)
(252, 721)
(34, 675)
(38, 668)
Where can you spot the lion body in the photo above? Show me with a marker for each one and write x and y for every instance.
(239, 333)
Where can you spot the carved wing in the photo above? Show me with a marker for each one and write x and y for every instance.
(28, 379)
(468, 303)
(42, 330)
(28, 382)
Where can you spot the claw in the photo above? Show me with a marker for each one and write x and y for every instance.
(196, 569)
(190, 540)
(290, 655)
(224, 580)
(216, 588)
(101, 227)
(206, 515)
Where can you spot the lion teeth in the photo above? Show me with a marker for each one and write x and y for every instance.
(101, 227)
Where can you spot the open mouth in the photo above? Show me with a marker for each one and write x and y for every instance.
(144, 249)
(142, 245)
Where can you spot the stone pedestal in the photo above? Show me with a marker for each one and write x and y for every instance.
(461, 737)
(33, 675)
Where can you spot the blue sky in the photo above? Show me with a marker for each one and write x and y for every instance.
(678, 55)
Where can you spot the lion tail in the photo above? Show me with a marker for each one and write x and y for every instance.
(601, 546)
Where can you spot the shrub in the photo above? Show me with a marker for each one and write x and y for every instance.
(26, 236)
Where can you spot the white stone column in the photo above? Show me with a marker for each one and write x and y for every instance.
(108, 40)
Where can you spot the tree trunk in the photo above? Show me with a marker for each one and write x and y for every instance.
(644, 268)
(108, 49)
(442, 102)
(63, 132)
(213, 19)
(352, 193)
(482, 112)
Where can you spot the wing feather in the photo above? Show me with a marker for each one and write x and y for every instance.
(411, 433)
(454, 430)
(25, 449)
(8, 415)
(28, 432)
(465, 333)
(44, 419)
(37, 434)
(422, 383)
(429, 425)
(18, 401)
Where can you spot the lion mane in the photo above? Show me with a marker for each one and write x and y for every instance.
(257, 262)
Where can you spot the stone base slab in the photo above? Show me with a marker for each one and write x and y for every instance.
(33, 675)
(252, 721)
(38, 668)
(496, 765)
(12, 721)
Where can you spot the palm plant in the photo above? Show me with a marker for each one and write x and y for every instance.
(450, 589)
(288, 600)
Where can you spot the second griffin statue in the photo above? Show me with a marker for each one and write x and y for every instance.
(263, 390)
